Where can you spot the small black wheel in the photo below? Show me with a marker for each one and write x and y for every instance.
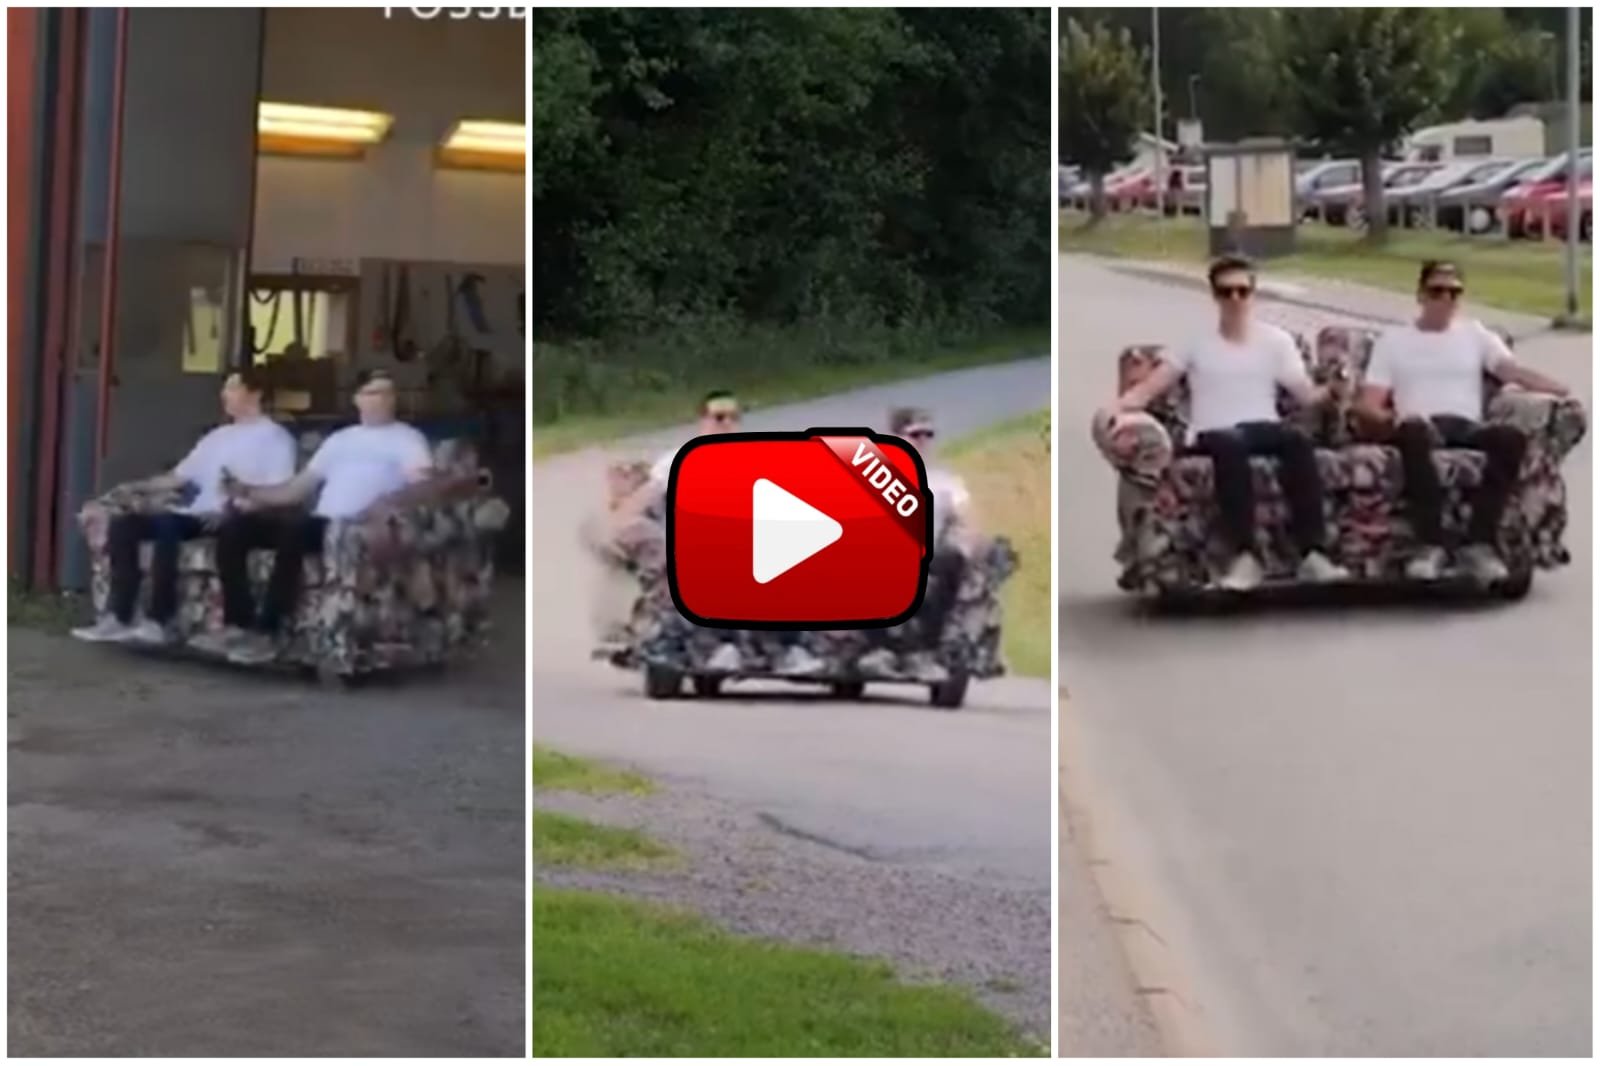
(707, 686)
(1515, 587)
(848, 690)
(662, 683)
(949, 695)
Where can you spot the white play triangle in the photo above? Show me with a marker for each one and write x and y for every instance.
(785, 531)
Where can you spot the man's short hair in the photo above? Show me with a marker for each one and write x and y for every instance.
(1227, 264)
(253, 379)
(715, 395)
(902, 418)
(1432, 267)
(371, 375)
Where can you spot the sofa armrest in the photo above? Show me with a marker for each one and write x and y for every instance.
(1136, 444)
(1553, 423)
(131, 497)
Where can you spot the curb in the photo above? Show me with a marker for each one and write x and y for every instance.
(1168, 991)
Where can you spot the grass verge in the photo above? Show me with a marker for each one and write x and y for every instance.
(613, 391)
(561, 840)
(50, 611)
(567, 773)
(1007, 469)
(616, 978)
(1523, 276)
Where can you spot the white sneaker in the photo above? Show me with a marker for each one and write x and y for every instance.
(924, 666)
(1426, 565)
(1484, 564)
(149, 631)
(253, 650)
(106, 630)
(725, 660)
(1318, 568)
(798, 662)
(1242, 575)
(879, 662)
(218, 643)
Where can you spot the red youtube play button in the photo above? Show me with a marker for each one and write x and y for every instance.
(826, 529)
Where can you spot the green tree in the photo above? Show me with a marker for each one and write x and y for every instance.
(1361, 78)
(1105, 98)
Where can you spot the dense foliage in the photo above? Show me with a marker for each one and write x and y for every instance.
(788, 167)
(1104, 99)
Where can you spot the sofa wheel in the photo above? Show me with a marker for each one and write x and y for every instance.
(848, 690)
(1515, 587)
(662, 683)
(707, 686)
(949, 695)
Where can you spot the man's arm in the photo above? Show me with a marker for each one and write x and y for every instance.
(1152, 388)
(286, 494)
(1498, 361)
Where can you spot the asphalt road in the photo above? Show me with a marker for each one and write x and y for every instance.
(964, 795)
(1352, 831)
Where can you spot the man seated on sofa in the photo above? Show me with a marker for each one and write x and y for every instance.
(1234, 374)
(250, 447)
(356, 474)
(1424, 390)
(954, 543)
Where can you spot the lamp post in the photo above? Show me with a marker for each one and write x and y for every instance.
(1194, 108)
(1572, 165)
(1155, 78)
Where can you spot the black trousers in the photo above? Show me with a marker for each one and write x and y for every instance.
(1503, 447)
(167, 530)
(923, 632)
(291, 537)
(1230, 451)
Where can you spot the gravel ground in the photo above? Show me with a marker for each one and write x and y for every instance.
(751, 874)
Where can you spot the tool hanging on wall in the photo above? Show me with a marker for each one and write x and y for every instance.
(275, 298)
(401, 342)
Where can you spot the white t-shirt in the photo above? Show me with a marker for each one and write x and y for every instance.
(1437, 372)
(661, 469)
(257, 452)
(1237, 381)
(950, 495)
(359, 464)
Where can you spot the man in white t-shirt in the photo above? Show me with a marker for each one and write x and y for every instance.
(356, 472)
(947, 565)
(250, 447)
(1234, 375)
(1424, 390)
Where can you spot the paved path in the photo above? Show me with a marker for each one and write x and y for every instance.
(210, 862)
(964, 795)
(1355, 832)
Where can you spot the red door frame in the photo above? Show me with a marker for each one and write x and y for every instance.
(22, 58)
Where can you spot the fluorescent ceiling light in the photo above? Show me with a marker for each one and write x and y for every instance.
(298, 129)
(474, 144)
(500, 138)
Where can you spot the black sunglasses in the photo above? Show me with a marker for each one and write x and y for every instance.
(1448, 292)
(920, 434)
(724, 417)
(1232, 292)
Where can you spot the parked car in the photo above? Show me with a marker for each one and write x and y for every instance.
(1557, 207)
(1344, 204)
(1525, 207)
(1124, 189)
(1312, 176)
(1066, 178)
(1416, 205)
(1473, 208)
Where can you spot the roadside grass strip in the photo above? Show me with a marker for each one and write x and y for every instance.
(1007, 469)
(612, 977)
(562, 840)
(566, 773)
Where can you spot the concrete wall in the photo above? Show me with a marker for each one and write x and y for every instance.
(394, 204)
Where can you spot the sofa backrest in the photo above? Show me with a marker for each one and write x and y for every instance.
(1172, 410)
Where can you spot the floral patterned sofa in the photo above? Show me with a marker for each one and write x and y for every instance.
(409, 593)
(1171, 545)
